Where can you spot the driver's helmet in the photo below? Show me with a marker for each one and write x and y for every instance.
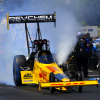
(43, 53)
(44, 57)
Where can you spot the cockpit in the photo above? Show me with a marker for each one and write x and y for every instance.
(46, 59)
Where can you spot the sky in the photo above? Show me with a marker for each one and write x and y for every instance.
(13, 41)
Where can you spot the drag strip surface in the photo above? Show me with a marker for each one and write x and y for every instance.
(31, 92)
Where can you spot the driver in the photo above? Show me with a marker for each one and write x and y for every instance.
(44, 58)
(43, 53)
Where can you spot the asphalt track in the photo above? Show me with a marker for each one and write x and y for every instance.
(31, 92)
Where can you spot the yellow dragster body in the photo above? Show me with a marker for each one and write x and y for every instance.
(40, 68)
(41, 75)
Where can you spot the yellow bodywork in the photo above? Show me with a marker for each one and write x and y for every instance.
(27, 77)
(8, 21)
(72, 83)
(40, 73)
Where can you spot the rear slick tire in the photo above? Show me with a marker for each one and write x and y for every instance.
(19, 60)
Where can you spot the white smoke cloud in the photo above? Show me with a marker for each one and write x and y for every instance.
(6, 72)
(2, 25)
(67, 36)
(63, 37)
(13, 41)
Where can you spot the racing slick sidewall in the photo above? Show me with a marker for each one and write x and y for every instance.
(18, 61)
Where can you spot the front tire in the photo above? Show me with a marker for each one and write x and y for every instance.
(52, 79)
(19, 60)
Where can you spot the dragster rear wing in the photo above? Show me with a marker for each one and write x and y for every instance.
(31, 19)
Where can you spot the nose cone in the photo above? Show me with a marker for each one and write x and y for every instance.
(65, 80)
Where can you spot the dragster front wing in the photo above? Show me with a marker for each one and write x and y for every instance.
(65, 84)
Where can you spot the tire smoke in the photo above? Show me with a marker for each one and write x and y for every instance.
(13, 41)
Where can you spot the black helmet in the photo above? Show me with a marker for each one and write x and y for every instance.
(87, 34)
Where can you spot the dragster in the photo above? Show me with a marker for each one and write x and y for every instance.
(40, 67)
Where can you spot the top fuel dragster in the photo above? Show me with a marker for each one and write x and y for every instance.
(40, 67)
